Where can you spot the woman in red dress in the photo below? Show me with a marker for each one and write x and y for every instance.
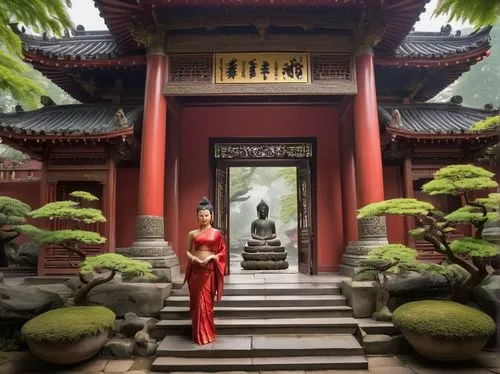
(205, 273)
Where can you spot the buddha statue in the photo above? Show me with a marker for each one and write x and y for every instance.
(263, 230)
(263, 250)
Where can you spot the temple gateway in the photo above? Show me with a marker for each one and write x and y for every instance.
(177, 92)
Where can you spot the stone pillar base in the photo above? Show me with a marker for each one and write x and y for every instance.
(150, 246)
(372, 233)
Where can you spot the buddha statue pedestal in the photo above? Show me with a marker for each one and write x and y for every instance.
(264, 250)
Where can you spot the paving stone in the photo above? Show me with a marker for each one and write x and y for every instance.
(142, 363)
(283, 372)
(392, 370)
(93, 366)
(117, 366)
(383, 361)
(452, 371)
(495, 370)
(337, 372)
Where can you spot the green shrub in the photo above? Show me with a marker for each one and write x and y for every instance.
(69, 324)
(443, 318)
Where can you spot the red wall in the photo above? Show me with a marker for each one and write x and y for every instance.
(201, 123)
(127, 190)
(393, 188)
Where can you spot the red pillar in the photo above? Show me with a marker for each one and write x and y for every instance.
(348, 177)
(152, 172)
(370, 180)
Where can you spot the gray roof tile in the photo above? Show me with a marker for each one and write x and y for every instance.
(433, 118)
(441, 44)
(88, 119)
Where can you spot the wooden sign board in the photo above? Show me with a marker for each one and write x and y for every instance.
(261, 68)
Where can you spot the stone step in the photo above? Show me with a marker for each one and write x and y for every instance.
(274, 289)
(182, 312)
(173, 364)
(253, 326)
(370, 326)
(240, 346)
(267, 300)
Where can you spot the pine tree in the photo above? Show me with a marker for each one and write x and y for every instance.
(40, 16)
(477, 12)
(470, 253)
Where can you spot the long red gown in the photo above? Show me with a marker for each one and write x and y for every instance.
(205, 283)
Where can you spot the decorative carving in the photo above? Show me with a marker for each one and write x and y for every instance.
(190, 68)
(152, 251)
(83, 175)
(262, 151)
(120, 119)
(75, 160)
(149, 227)
(332, 67)
(372, 227)
(396, 120)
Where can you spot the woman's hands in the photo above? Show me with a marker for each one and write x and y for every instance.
(205, 261)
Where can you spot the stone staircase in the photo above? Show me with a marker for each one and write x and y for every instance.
(302, 323)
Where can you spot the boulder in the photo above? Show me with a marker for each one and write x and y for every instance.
(487, 297)
(22, 302)
(415, 283)
(119, 347)
(143, 299)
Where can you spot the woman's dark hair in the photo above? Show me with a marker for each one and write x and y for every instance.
(205, 205)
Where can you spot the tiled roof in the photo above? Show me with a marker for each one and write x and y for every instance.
(431, 118)
(83, 45)
(73, 119)
(441, 44)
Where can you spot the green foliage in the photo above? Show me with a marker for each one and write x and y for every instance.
(491, 202)
(72, 236)
(10, 154)
(68, 210)
(116, 262)
(469, 214)
(457, 179)
(40, 16)
(69, 324)
(13, 211)
(400, 206)
(473, 247)
(443, 319)
(477, 12)
(29, 230)
(84, 195)
(488, 124)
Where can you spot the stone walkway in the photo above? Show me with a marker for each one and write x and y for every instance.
(26, 363)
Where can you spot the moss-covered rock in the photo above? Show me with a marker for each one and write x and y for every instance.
(69, 324)
(440, 318)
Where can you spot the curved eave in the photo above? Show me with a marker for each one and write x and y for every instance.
(71, 137)
(399, 134)
(134, 60)
(401, 15)
(468, 58)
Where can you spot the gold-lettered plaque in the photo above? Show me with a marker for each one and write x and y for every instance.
(243, 68)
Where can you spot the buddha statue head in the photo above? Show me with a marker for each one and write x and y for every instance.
(262, 209)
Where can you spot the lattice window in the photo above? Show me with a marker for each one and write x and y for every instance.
(331, 67)
(190, 68)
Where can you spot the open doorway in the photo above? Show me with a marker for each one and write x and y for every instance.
(277, 187)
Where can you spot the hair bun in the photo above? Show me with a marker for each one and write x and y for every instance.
(205, 202)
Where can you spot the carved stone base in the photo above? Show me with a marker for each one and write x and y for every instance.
(372, 232)
(150, 246)
(264, 265)
(491, 233)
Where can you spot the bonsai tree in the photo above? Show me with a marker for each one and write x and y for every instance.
(111, 263)
(72, 241)
(395, 259)
(13, 215)
(470, 253)
(72, 210)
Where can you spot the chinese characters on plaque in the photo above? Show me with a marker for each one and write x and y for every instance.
(261, 68)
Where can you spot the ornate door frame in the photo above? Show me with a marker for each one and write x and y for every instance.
(296, 152)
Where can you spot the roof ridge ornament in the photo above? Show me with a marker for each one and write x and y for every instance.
(120, 119)
(46, 101)
(456, 100)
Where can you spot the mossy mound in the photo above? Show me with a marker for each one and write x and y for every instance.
(441, 318)
(69, 324)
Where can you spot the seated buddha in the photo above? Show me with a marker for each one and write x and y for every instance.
(263, 230)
